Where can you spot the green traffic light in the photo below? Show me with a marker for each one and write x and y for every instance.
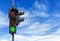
(12, 28)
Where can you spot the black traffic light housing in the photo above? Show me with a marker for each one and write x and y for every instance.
(14, 19)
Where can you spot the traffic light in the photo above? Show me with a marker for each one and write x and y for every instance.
(12, 20)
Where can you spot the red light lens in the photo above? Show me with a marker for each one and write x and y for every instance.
(13, 14)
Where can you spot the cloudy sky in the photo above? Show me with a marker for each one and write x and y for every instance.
(42, 20)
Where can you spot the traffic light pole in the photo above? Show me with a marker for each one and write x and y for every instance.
(12, 7)
(12, 37)
(14, 19)
(12, 3)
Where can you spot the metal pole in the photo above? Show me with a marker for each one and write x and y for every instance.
(12, 7)
(12, 3)
(12, 37)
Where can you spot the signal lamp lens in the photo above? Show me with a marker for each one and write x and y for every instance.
(12, 29)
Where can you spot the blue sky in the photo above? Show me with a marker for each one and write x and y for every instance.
(42, 20)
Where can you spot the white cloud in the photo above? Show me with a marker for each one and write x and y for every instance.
(40, 29)
(33, 38)
(40, 10)
(57, 32)
(3, 40)
(3, 18)
(40, 6)
(44, 14)
(56, 15)
(41, 14)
